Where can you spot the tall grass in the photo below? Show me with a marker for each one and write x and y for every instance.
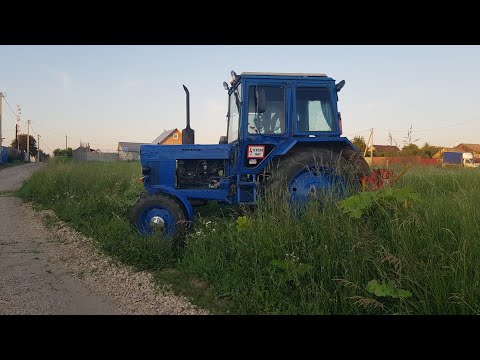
(429, 248)
(95, 199)
(272, 261)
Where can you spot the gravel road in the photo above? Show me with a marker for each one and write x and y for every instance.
(56, 270)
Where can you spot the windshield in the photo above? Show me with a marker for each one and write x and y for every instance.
(233, 116)
(272, 121)
(314, 110)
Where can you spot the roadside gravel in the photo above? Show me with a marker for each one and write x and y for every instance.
(56, 270)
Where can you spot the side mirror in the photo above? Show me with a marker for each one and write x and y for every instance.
(225, 85)
(223, 140)
(340, 85)
(260, 103)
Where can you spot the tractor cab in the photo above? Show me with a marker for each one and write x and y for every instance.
(282, 105)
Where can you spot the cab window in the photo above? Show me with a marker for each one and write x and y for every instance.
(272, 121)
(314, 110)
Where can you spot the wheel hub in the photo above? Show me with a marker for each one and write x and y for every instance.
(157, 219)
(314, 182)
(156, 222)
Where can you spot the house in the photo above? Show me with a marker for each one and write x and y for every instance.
(131, 150)
(474, 149)
(383, 150)
(169, 137)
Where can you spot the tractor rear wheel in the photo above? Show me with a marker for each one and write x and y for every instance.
(307, 173)
(159, 213)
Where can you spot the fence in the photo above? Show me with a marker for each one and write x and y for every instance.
(403, 160)
(9, 154)
(3, 154)
(94, 156)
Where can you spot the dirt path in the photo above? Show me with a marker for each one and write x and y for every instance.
(57, 271)
(11, 178)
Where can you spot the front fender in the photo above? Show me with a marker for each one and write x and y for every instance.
(175, 194)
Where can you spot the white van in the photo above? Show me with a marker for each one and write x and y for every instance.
(469, 161)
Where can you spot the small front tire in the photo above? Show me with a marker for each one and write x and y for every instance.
(162, 213)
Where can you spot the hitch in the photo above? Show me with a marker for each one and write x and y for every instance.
(379, 178)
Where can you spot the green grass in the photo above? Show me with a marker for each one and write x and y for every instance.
(275, 262)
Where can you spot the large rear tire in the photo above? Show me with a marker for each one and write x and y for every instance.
(160, 213)
(307, 173)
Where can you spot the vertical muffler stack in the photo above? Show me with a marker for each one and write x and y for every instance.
(188, 134)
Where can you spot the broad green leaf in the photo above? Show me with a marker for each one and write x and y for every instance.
(387, 289)
(404, 294)
(242, 223)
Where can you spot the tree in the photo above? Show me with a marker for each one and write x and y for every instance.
(429, 151)
(410, 150)
(360, 144)
(68, 153)
(43, 156)
(22, 140)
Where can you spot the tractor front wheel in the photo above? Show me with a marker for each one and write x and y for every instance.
(159, 213)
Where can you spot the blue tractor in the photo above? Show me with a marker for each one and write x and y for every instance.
(284, 133)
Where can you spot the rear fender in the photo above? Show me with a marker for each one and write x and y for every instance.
(337, 144)
(340, 145)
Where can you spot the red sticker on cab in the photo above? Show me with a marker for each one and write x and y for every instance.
(256, 151)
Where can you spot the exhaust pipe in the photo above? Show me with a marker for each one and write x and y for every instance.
(188, 134)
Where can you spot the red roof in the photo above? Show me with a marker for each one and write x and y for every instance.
(386, 148)
(469, 147)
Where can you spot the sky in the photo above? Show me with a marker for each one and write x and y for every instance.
(105, 94)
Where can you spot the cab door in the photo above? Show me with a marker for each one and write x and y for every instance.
(263, 129)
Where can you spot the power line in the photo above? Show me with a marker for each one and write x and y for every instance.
(14, 113)
(41, 138)
(33, 131)
(47, 129)
(433, 129)
(360, 132)
(71, 137)
(102, 144)
(444, 127)
(43, 127)
(43, 142)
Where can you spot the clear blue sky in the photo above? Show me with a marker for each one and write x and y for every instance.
(106, 94)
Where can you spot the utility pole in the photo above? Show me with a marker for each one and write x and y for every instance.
(370, 138)
(28, 140)
(1, 100)
(19, 111)
(371, 149)
(66, 145)
(38, 148)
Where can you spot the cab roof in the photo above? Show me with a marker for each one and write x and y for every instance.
(283, 74)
